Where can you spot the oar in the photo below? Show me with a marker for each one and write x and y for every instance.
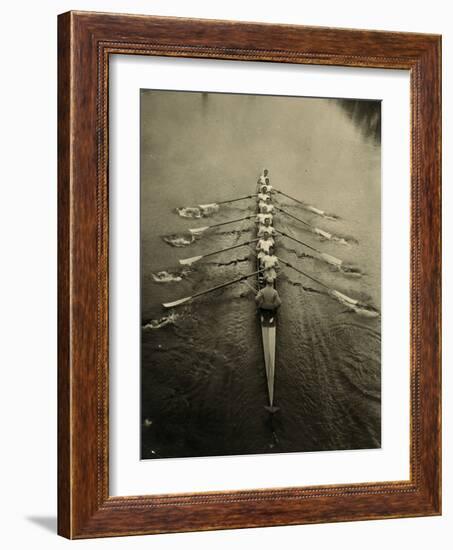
(189, 261)
(294, 217)
(234, 200)
(330, 259)
(289, 197)
(223, 202)
(303, 273)
(332, 291)
(316, 230)
(198, 230)
(202, 293)
(313, 209)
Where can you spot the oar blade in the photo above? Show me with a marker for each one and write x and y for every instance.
(322, 233)
(331, 259)
(218, 287)
(177, 302)
(198, 230)
(315, 210)
(190, 261)
(343, 298)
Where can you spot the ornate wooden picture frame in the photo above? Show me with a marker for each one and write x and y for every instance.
(86, 41)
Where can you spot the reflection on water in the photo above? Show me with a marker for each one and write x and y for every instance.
(203, 380)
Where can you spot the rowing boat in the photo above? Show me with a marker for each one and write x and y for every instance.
(268, 325)
(268, 318)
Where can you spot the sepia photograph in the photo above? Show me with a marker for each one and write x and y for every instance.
(260, 239)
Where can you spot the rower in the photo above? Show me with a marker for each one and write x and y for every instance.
(262, 217)
(263, 245)
(266, 186)
(266, 227)
(264, 209)
(263, 195)
(262, 178)
(270, 265)
(266, 205)
(268, 300)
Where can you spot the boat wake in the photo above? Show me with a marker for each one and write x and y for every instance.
(200, 211)
(349, 270)
(363, 310)
(179, 241)
(168, 277)
(305, 288)
(321, 213)
(231, 262)
(358, 307)
(326, 236)
(299, 255)
(154, 324)
(234, 232)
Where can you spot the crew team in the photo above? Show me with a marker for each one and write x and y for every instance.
(268, 297)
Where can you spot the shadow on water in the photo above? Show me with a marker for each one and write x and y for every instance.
(366, 115)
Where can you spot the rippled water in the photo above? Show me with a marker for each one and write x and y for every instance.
(203, 378)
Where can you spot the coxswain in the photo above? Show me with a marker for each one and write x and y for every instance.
(268, 298)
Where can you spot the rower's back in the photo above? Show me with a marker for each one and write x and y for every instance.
(268, 298)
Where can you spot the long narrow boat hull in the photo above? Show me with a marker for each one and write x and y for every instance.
(268, 334)
(268, 322)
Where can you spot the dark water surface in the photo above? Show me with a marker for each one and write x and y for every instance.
(203, 378)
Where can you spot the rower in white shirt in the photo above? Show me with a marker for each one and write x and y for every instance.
(264, 175)
(266, 206)
(262, 196)
(266, 229)
(270, 265)
(262, 217)
(263, 246)
(265, 187)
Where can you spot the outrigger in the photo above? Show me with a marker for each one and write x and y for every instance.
(267, 317)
